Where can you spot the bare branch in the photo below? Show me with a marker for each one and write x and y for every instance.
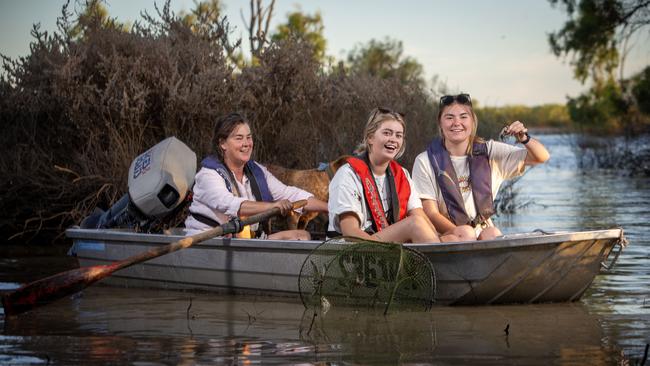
(258, 26)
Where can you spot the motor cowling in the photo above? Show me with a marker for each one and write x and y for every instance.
(161, 177)
(159, 181)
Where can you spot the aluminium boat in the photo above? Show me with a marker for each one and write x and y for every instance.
(532, 267)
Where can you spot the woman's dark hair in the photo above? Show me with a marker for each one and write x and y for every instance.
(224, 127)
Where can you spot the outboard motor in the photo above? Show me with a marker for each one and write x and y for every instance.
(159, 181)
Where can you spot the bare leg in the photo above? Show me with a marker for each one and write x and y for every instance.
(412, 229)
(445, 238)
(463, 233)
(490, 232)
(290, 235)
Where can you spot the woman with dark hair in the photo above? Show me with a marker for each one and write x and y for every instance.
(230, 184)
(460, 173)
(372, 196)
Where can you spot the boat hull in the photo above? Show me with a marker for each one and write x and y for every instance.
(520, 268)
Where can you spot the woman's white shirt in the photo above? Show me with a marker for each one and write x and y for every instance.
(506, 161)
(212, 198)
(346, 195)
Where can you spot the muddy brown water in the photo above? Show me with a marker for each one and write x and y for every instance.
(609, 325)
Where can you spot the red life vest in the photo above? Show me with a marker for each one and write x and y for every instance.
(399, 188)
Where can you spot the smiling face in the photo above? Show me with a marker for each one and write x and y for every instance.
(457, 124)
(238, 147)
(387, 141)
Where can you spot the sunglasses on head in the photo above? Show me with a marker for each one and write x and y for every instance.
(461, 98)
(383, 110)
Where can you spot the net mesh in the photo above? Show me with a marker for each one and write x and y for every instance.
(360, 273)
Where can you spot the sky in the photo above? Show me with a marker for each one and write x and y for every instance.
(497, 50)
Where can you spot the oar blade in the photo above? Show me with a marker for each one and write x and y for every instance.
(51, 288)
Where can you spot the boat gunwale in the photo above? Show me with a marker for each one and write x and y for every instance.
(506, 242)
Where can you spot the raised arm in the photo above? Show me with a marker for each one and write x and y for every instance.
(537, 152)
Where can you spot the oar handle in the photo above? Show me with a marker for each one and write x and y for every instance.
(236, 225)
(230, 227)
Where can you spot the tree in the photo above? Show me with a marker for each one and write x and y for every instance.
(597, 35)
(203, 18)
(94, 15)
(601, 110)
(385, 59)
(258, 26)
(641, 90)
(306, 27)
(204, 11)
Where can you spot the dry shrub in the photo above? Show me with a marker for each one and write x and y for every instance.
(302, 116)
(76, 111)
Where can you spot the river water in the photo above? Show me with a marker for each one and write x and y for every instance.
(610, 325)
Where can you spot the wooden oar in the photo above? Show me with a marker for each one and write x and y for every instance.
(59, 285)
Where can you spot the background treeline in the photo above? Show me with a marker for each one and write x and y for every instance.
(547, 117)
(597, 39)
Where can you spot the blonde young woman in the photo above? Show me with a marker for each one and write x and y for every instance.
(372, 196)
(460, 173)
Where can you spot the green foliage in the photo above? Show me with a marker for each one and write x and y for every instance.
(385, 59)
(202, 20)
(544, 116)
(590, 36)
(204, 12)
(600, 110)
(306, 27)
(641, 91)
(93, 16)
(596, 36)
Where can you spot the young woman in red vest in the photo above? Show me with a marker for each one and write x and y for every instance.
(372, 196)
(460, 173)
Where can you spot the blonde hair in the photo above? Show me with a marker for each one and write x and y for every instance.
(472, 137)
(377, 117)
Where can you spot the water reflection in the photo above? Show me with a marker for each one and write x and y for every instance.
(110, 325)
(537, 334)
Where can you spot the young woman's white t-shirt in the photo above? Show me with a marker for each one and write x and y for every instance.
(506, 161)
(346, 195)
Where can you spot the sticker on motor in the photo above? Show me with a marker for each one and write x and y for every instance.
(142, 164)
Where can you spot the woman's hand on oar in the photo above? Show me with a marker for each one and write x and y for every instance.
(59, 285)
